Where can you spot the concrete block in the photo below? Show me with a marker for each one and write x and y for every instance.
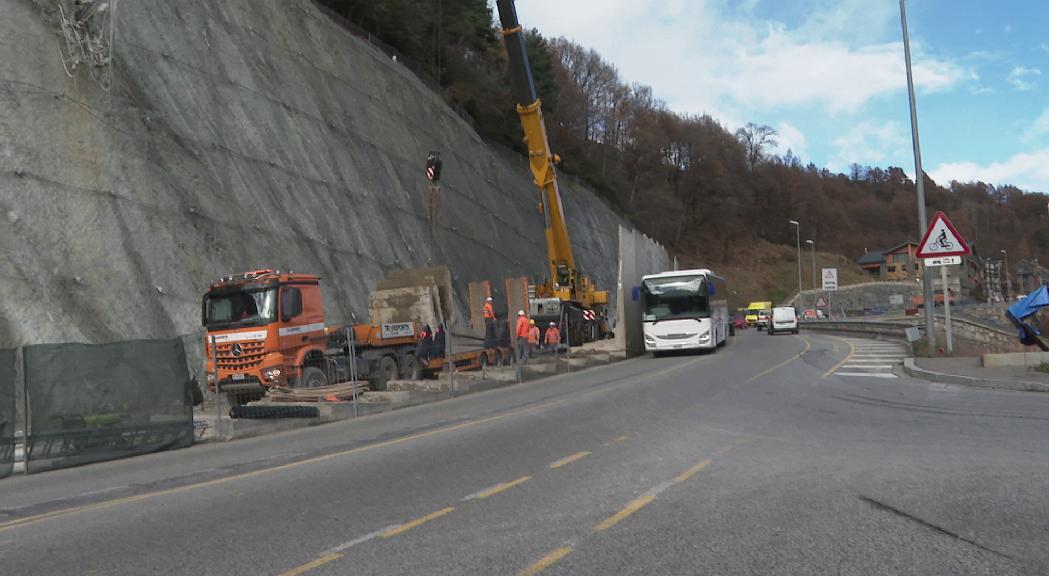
(599, 359)
(391, 397)
(419, 385)
(580, 363)
(1014, 359)
(536, 371)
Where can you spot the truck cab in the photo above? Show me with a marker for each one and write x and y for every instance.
(264, 328)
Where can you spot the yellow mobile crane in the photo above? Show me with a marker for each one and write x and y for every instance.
(581, 300)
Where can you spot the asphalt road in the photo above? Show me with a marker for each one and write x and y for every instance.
(756, 460)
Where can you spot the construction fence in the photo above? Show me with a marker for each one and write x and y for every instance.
(87, 403)
(7, 412)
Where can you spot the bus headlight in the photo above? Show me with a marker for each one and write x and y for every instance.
(704, 336)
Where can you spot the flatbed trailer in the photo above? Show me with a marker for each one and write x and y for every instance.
(471, 360)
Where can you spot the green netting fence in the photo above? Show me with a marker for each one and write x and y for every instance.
(93, 402)
(7, 412)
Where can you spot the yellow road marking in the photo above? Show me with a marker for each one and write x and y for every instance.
(691, 471)
(4, 527)
(396, 530)
(310, 566)
(616, 518)
(852, 351)
(501, 488)
(569, 459)
(808, 346)
(546, 562)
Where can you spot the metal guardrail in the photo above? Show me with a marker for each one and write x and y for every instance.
(895, 329)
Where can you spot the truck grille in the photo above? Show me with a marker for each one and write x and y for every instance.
(251, 354)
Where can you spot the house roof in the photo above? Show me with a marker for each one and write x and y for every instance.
(876, 257)
(900, 247)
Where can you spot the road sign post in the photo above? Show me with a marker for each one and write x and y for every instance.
(942, 246)
(947, 309)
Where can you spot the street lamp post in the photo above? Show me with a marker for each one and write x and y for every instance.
(797, 230)
(919, 178)
(813, 246)
(1008, 280)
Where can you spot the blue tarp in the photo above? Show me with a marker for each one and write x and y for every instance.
(1032, 303)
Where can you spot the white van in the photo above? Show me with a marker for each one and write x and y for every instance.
(784, 319)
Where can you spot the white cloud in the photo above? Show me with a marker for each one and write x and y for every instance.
(1018, 77)
(790, 138)
(715, 60)
(1028, 170)
(1045, 46)
(870, 144)
(1037, 129)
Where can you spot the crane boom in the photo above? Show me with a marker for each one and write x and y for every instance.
(564, 283)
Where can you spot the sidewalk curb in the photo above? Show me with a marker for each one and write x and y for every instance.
(254, 428)
(915, 371)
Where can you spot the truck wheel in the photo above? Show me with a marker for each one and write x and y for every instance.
(313, 377)
(387, 371)
(412, 368)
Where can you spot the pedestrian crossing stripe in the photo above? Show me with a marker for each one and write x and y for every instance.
(872, 359)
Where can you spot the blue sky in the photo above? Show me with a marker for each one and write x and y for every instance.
(829, 76)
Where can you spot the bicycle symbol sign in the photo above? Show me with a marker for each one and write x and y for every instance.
(942, 239)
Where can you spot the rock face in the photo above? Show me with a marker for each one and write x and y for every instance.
(237, 135)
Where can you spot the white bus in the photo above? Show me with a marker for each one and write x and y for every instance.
(684, 309)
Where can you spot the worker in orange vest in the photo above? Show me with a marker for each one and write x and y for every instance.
(489, 323)
(521, 333)
(533, 337)
(553, 337)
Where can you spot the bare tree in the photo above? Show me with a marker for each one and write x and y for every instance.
(755, 140)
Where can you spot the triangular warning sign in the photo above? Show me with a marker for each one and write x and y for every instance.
(821, 303)
(941, 239)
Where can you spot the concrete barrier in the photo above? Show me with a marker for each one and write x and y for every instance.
(1014, 359)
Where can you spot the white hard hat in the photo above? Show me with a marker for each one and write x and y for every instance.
(488, 299)
(552, 324)
(520, 312)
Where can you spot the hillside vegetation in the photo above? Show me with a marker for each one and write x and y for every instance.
(704, 191)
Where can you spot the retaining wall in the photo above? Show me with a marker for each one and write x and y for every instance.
(237, 135)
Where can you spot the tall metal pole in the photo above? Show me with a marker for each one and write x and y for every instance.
(919, 179)
(797, 229)
(219, 434)
(813, 246)
(351, 347)
(947, 309)
(1008, 279)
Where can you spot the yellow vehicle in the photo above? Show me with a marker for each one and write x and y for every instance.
(758, 314)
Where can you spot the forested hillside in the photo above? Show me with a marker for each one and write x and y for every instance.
(687, 180)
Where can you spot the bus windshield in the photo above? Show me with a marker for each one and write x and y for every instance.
(674, 297)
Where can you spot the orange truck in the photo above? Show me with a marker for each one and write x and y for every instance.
(266, 328)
